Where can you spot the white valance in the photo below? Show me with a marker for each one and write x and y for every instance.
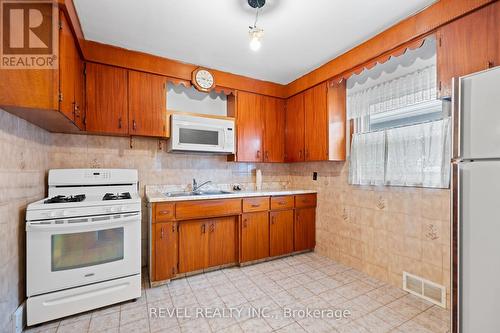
(398, 83)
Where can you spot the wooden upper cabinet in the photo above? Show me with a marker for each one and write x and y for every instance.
(107, 101)
(494, 23)
(294, 129)
(147, 104)
(316, 123)
(249, 127)
(336, 120)
(254, 236)
(467, 45)
(274, 129)
(165, 250)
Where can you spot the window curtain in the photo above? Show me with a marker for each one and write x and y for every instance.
(367, 158)
(417, 155)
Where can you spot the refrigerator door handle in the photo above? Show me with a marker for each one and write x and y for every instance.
(456, 118)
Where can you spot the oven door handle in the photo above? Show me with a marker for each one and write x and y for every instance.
(30, 226)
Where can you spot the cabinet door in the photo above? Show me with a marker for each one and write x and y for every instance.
(79, 92)
(281, 232)
(249, 128)
(494, 34)
(273, 110)
(316, 123)
(147, 104)
(254, 236)
(305, 229)
(462, 48)
(193, 245)
(165, 238)
(107, 102)
(222, 241)
(336, 120)
(294, 129)
(67, 69)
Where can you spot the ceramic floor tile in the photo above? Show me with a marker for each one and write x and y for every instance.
(255, 325)
(75, 327)
(139, 326)
(101, 323)
(292, 328)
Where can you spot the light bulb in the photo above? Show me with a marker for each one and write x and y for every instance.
(255, 44)
(256, 35)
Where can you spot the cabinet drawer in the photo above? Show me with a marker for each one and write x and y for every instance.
(164, 212)
(305, 200)
(282, 202)
(255, 204)
(207, 208)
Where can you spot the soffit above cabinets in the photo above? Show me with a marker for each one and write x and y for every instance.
(299, 35)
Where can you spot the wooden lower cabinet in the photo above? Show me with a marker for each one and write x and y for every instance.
(305, 229)
(207, 243)
(165, 250)
(281, 233)
(222, 241)
(254, 236)
(193, 245)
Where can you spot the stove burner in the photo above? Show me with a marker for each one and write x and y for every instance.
(63, 198)
(118, 196)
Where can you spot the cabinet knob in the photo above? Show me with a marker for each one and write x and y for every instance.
(273, 219)
(161, 233)
(134, 125)
(258, 153)
(119, 122)
(244, 223)
(203, 228)
(490, 64)
(267, 156)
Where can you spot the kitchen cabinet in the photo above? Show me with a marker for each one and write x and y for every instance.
(254, 236)
(222, 241)
(193, 245)
(69, 74)
(468, 45)
(294, 129)
(260, 126)
(165, 250)
(249, 127)
(49, 98)
(273, 110)
(281, 232)
(107, 101)
(316, 123)
(147, 105)
(195, 235)
(305, 229)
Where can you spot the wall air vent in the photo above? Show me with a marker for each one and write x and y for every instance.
(425, 289)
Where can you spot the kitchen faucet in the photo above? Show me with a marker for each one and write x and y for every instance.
(196, 187)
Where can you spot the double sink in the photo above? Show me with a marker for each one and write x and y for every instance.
(191, 193)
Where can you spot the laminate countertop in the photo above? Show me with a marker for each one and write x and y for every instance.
(157, 196)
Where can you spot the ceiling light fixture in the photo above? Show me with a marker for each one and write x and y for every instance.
(256, 34)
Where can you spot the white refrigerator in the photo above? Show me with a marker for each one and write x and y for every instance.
(476, 203)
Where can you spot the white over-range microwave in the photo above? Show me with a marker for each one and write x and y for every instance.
(202, 134)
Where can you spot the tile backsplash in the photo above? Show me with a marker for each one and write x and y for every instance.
(380, 230)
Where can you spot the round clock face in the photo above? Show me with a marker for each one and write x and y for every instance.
(204, 79)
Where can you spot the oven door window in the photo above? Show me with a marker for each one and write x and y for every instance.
(84, 249)
(198, 136)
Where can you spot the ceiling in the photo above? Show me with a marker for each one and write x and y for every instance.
(299, 35)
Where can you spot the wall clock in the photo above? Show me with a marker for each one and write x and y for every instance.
(203, 79)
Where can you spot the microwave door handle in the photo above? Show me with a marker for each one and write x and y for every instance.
(79, 225)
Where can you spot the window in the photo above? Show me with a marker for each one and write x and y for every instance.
(401, 130)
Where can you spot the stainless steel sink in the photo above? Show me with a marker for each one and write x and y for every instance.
(187, 194)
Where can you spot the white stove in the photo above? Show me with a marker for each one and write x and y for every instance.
(83, 243)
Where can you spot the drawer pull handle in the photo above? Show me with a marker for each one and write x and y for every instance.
(255, 205)
(164, 212)
(281, 203)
